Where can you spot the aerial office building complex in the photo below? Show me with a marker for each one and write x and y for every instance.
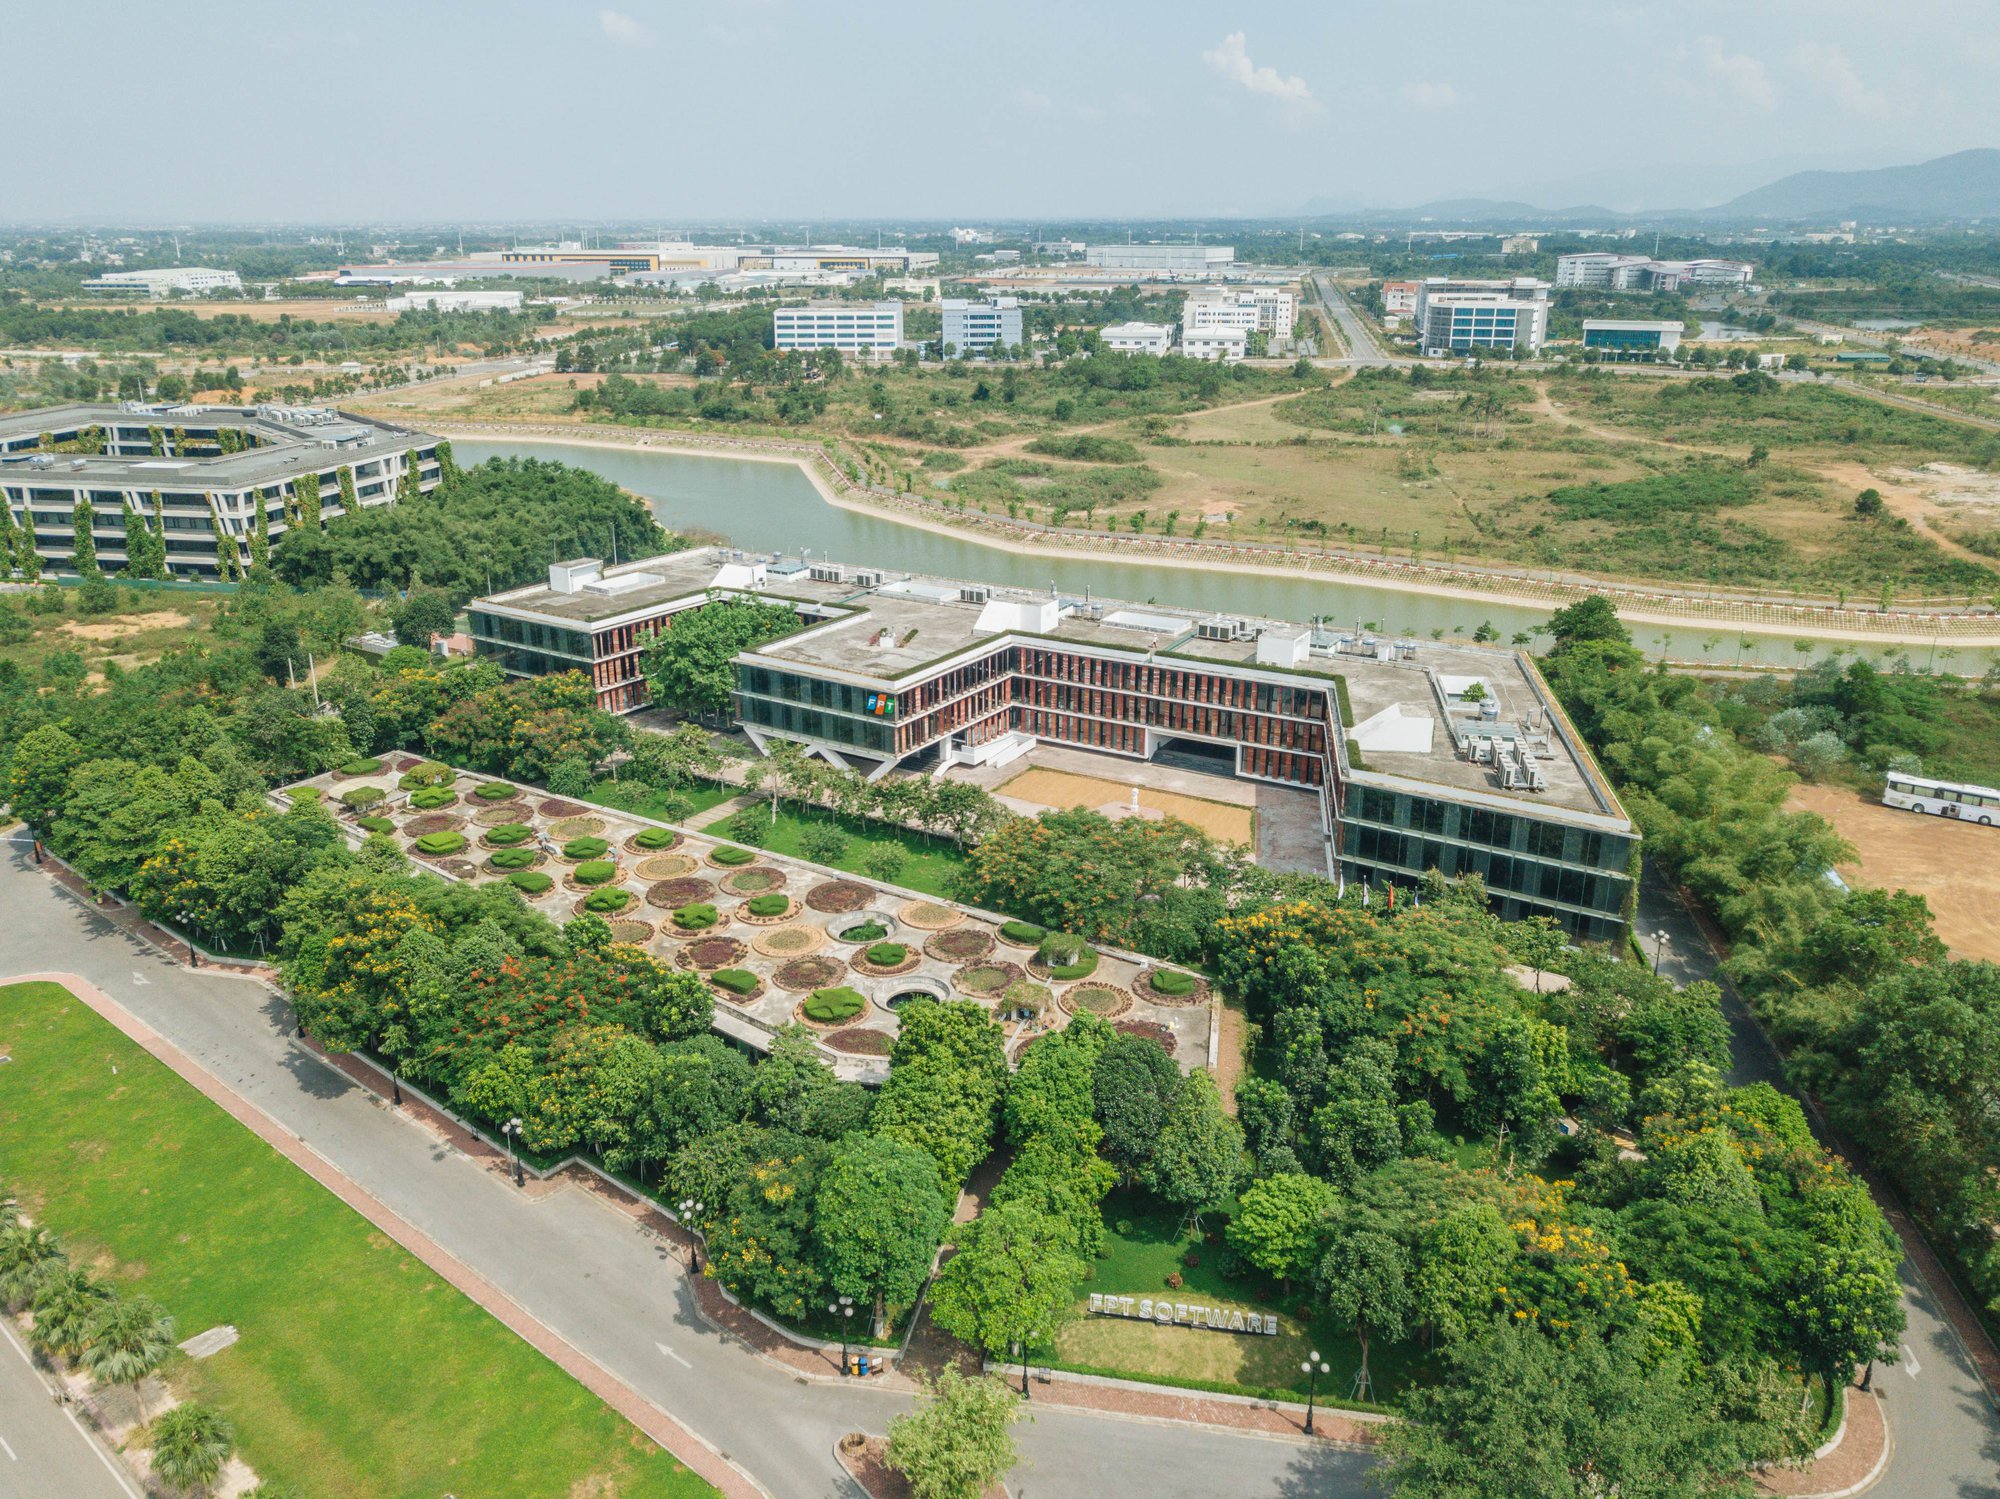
(197, 474)
(972, 326)
(1420, 755)
(1607, 272)
(1459, 317)
(871, 330)
(193, 281)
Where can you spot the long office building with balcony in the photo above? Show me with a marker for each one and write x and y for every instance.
(197, 473)
(1422, 755)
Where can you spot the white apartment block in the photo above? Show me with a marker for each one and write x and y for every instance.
(871, 330)
(1400, 296)
(1457, 317)
(1137, 338)
(196, 281)
(971, 326)
(1225, 344)
(1602, 271)
(1252, 309)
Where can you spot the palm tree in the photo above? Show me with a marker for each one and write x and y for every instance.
(129, 1339)
(191, 1443)
(66, 1300)
(27, 1252)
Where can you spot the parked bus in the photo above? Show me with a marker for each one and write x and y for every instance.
(1968, 803)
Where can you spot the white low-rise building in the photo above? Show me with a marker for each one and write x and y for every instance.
(194, 281)
(1137, 338)
(871, 330)
(1252, 309)
(1179, 259)
(456, 301)
(1225, 344)
(970, 327)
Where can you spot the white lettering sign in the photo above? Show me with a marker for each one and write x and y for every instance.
(1184, 1314)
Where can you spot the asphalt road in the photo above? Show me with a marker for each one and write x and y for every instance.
(43, 1451)
(589, 1272)
(1361, 345)
(1945, 1432)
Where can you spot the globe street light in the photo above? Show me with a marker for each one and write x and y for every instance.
(510, 1129)
(1659, 947)
(691, 1220)
(843, 1312)
(1025, 1339)
(1314, 1366)
(187, 926)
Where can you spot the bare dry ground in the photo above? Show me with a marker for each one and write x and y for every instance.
(1953, 865)
(1061, 788)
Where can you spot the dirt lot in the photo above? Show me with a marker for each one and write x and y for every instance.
(125, 624)
(1059, 788)
(1953, 865)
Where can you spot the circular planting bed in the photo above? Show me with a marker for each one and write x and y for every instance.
(440, 845)
(1150, 1030)
(761, 880)
(1022, 934)
(496, 791)
(376, 824)
(873, 929)
(1170, 986)
(767, 910)
(530, 882)
(585, 847)
(860, 1041)
(557, 807)
(737, 985)
(653, 840)
(987, 980)
(606, 902)
(664, 866)
(711, 953)
(591, 873)
(458, 869)
(355, 768)
(886, 959)
(802, 975)
(731, 857)
(961, 944)
(508, 835)
(671, 895)
(792, 941)
(833, 1005)
(693, 919)
(631, 932)
(434, 822)
(514, 858)
(563, 829)
(929, 915)
(431, 798)
(501, 816)
(839, 896)
(1102, 1000)
(1026, 994)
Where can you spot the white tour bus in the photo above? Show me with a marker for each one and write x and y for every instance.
(1968, 803)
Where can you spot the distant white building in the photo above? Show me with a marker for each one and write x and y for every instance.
(1137, 338)
(1400, 296)
(1225, 344)
(456, 301)
(1520, 244)
(872, 330)
(1179, 259)
(1603, 271)
(1457, 317)
(195, 281)
(970, 326)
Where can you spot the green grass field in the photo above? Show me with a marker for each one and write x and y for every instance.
(359, 1371)
(930, 865)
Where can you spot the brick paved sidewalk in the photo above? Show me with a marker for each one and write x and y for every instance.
(1852, 1466)
(621, 1397)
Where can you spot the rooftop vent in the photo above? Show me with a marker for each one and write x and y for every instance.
(974, 595)
(827, 572)
(867, 580)
(1224, 628)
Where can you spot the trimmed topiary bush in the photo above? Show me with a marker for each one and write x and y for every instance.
(886, 954)
(514, 858)
(1026, 933)
(361, 768)
(868, 931)
(438, 844)
(530, 881)
(375, 824)
(1067, 956)
(594, 871)
(654, 837)
(736, 980)
(733, 855)
(494, 791)
(605, 901)
(362, 796)
(829, 1006)
(508, 834)
(302, 796)
(695, 918)
(1169, 982)
(585, 848)
(426, 773)
(770, 905)
(430, 798)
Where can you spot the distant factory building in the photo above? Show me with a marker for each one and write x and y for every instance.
(193, 281)
(456, 301)
(1177, 259)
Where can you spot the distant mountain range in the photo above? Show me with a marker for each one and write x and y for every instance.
(1963, 185)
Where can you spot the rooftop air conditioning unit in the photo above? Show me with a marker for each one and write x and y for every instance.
(974, 595)
(1406, 650)
(826, 572)
(867, 580)
(1221, 628)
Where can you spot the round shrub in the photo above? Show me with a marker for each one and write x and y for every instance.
(440, 843)
(828, 1006)
(770, 905)
(361, 768)
(302, 796)
(654, 837)
(362, 796)
(736, 980)
(375, 824)
(594, 871)
(430, 798)
(530, 881)
(868, 931)
(1171, 983)
(1024, 933)
(585, 848)
(508, 834)
(695, 918)
(514, 858)
(427, 773)
(494, 791)
(607, 900)
(886, 954)
(733, 855)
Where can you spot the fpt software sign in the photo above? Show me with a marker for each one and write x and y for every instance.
(1184, 1314)
(882, 704)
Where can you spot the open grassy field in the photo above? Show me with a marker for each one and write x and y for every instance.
(68, 645)
(359, 1371)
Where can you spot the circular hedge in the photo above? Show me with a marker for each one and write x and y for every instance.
(530, 881)
(769, 905)
(1172, 983)
(301, 796)
(508, 834)
(375, 824)
(361, 768)
(655, 838)
(695, 918)
(886, 954)
(585, 848)
(514, 858)
(868, 931)
(732, 856)
(438, 844)
(594, 872)
(427, 773)
(837, 897)
(740, 982)
(494, 791)
(362, 796)
(430, 798)
(831, 1006)
(607, 900)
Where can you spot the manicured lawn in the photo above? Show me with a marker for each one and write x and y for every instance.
(929, 864)
(359, 1371)
(1143, 1252)
(657, 804)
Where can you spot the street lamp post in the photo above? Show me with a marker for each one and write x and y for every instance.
(510, 1129)
(1026, 1338)
(690, 1219)
(1659, 947)
(843, 1313)
(1314, 1366)
(187, 929)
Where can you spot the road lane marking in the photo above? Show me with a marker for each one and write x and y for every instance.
(8, 1450)
(673, 1355)
(1910, 1365)
(140, 978)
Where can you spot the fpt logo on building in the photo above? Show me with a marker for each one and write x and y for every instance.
(882, 704)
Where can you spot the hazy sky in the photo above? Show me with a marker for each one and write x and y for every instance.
(522, 109)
